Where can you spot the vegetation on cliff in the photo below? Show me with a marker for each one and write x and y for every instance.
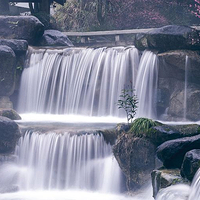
(87, 15)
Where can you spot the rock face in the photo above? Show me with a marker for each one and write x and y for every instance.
(191, 164)
(10, 113)
(163, 178)
(172, 152)
(136, 157)
(7, 70)
(9, 134)
(169, 38)
(174, 68)
(21, 27)
(54, 38)
(18, 46)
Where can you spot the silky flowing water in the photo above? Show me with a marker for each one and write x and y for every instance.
(182, 192)
(75, 85)
(62, 166)
(87, 81)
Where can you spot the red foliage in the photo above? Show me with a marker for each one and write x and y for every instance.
(150, 13)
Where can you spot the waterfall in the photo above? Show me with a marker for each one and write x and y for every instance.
(64, 162)
(181, 191)
(146, 85)
(87, 81)
(185, 89)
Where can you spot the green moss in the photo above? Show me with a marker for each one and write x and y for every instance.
(142, 126)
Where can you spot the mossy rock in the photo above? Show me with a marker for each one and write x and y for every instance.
(141, 126)
(158, 133)
(10, 113)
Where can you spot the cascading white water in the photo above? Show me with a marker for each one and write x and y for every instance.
(64, 161)
(186, 82)
(87, 81)
(146, 85)
(182, 192)
(63, 166)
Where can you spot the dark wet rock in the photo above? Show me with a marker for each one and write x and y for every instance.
(27, 28)
(172, 152)
(18, 46)
(163, 178)
(136, 158)
(191, 164)
(10, 113)
(54, 38)
(168, 38)
(7, 70)
(9, 134)
(110, 136)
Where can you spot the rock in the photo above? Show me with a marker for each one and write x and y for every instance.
(110, 136)
(18, 46)
(158, 133)
(171, 85)
(121, 128)
(7, 70)
(172, 152)
(21, 27)
(54, 38)
(9, 113)
(191, 164)
(5, 102)
(163, 178)
(9, 134)
(172, 65)
(168, 38)
(136, 158)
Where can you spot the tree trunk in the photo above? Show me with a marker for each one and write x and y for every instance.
(45, 6)
(99, 12)
(4, 7)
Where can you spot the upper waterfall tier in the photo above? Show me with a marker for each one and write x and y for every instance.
(87, 81)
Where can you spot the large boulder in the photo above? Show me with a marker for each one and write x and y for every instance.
(18, 46)
(168, 38)
(191, 164)
(54, 38)
(21, 27)
(172, 152)
(136, 158)
(7, 70)
(9, 134)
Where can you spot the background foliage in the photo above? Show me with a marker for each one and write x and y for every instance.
(88, 15)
